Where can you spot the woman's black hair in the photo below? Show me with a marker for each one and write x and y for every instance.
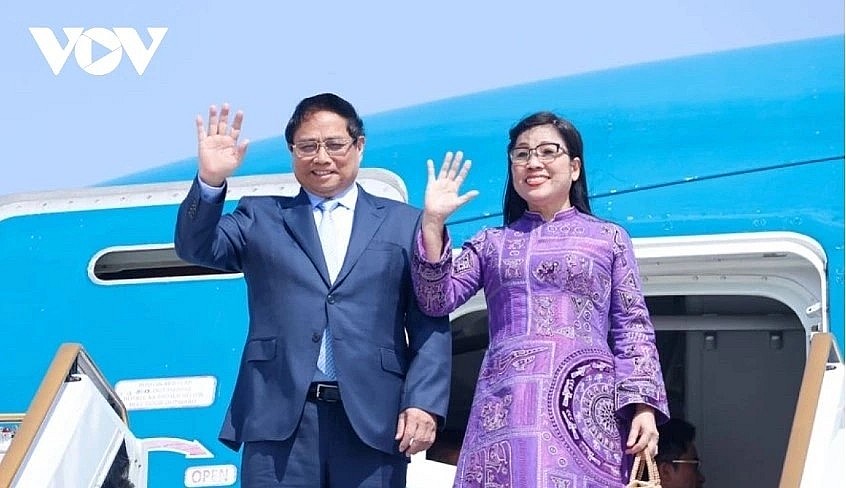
(513, 205)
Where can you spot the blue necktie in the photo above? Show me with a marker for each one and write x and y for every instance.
(329, 243)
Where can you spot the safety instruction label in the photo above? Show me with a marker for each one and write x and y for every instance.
(177, 392)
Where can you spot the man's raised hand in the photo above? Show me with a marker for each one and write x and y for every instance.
(218, 149)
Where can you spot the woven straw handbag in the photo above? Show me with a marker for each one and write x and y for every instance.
(644, 462)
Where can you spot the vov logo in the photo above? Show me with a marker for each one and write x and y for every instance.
(82, 40)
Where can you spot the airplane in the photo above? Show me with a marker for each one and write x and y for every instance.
(727, 169)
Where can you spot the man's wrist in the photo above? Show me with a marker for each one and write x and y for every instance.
(212, 181)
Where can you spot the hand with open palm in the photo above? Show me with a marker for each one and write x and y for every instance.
(442, 199)
(218, 150)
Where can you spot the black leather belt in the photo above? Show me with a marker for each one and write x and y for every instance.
(324, 392)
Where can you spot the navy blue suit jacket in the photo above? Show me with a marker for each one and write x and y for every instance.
(388, 354)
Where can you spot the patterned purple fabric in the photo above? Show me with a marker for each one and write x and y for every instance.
(553, 401)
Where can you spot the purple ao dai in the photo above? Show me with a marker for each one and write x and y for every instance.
(572, 349)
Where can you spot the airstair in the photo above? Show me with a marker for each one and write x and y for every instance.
(74, 435)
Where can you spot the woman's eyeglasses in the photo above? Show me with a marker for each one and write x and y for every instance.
(546, 153)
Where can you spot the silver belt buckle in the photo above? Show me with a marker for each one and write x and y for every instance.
(321, 388)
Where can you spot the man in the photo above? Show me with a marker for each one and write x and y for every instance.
(677, 459)
(342, 377)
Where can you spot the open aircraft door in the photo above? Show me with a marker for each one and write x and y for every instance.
(791, 269)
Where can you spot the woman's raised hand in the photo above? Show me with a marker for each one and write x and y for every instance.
(442, 198)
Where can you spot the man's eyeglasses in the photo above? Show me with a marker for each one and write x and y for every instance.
(334, 147)
(697, 464)
(546, 153)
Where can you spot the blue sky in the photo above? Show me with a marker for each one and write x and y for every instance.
(75, 129)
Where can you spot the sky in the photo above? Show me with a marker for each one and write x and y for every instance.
(77, 129)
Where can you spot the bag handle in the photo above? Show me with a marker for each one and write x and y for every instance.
(643, 461)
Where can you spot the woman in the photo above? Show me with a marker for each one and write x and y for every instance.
(571, 379)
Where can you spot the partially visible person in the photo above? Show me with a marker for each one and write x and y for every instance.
(570, 385)
(342, 376)
(446, 447)
(118, 475)
(678, 461)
